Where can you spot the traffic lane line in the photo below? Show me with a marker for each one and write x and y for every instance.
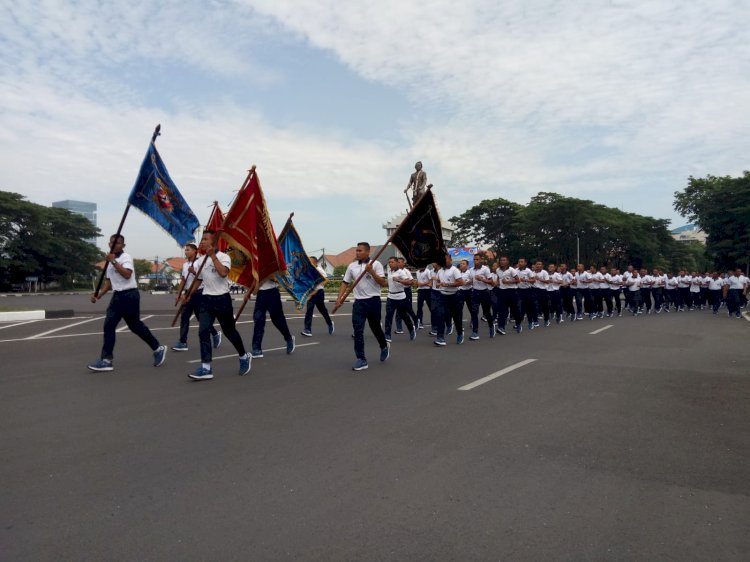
(493, 376)
(18, 324)
(44, 334)
(607, 327)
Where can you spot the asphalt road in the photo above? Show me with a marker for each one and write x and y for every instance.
(626, 444)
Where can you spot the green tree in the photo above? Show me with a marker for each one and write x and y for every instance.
(142, 267)
(491, 223)
(339, 270)
(720, 206)
(46, 242)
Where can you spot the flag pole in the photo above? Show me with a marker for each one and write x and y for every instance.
(249, 293)
(350, 288)
(157, 132)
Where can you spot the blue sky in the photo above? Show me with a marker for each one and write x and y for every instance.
(615, 101)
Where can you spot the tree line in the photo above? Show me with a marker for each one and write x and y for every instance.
(44, 242)
(555, 228)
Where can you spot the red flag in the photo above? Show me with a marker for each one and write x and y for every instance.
(252, 241)
(215, 222)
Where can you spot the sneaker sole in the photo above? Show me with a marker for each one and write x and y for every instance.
(360, 368)
(201, 378)
(100, 369)
(178, 349)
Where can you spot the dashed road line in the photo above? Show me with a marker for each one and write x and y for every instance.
(493, 376)
(607, 327)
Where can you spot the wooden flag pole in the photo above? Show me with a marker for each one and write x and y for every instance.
(350, 288)
(157, 132)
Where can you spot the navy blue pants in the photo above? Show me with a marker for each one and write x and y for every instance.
(192, 307)
(408, 310)
(217, 307)
(480, 298)
(526, 301)
(125, 305)
(506, 301)
(449, 308)
(423, 296)
(400, 308)
(269, 301)
(317, 299)
(369, 311)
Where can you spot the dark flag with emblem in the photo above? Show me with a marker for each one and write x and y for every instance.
(253, 247)
(157, 196)
(302, 276)
(419, 237)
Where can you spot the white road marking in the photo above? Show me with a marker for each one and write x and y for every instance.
(45, 336)
(264, 351)
(18, 324)
(37, 336)
(607, 327)
(500, 373)
(125, 327)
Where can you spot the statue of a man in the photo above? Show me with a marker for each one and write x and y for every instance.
(417, 182)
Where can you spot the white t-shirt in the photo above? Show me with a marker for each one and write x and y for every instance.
(672, 283)
(481, 271)
(735, 282)
(525, 277)
(506, 279)
(567, 278)
(597, 281)
(683, 282)
(634, 284)
(716, 284)
(320, 285)
(555, 281)
(397, 291)
(368, 287)
(583, 280)
(466, 277)
(448, 275)
(118, 282)
(213, 283)
(615, 282)
(423, 277)
(646, 281)
(540, 279)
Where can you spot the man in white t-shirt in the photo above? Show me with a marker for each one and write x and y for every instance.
(715, 288)
(317, 299)
(367, 306)
(216, 304)
(424, 292)
(125, 304)
(190, 307)
(633, 286)
(409, 296)
(734, 288)
(448, 304)
(396, 303)
(541, 280)
(506, 296)
(481, 287)
(553, 292)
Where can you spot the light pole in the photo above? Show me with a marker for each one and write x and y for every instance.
(578, 250)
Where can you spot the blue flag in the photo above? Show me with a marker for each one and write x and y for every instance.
(157, 196)
(302, 276)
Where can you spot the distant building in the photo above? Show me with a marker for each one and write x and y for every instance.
(84, 208)
(689, 233)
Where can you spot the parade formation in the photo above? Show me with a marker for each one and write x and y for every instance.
(242, 247)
